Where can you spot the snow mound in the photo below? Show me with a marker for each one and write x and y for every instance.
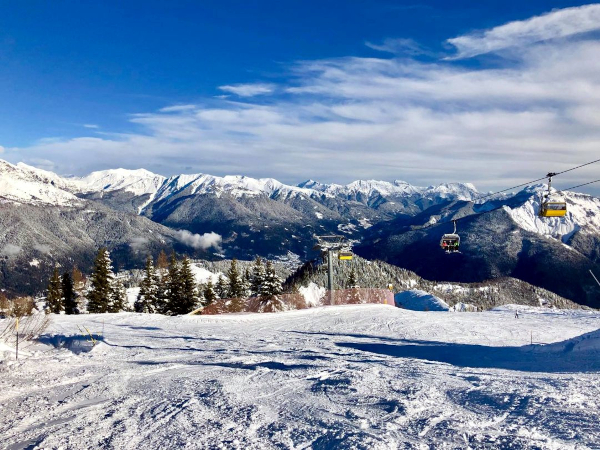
(312, 294)
(417, 300)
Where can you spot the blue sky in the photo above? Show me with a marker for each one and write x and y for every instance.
(484, 92)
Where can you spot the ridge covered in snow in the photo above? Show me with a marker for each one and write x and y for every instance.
(583, 213)
(24, 184)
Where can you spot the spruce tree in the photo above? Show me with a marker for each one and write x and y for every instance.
(221, 288)
(258, 277)
(54, 297)
(187, 286)
(209, 293)
(351, 281)
(246, 284)
(148, 300)
(272, 284)
(99, 296)
(118, 297)
(68, 294)
(236, 284)
(173, 286)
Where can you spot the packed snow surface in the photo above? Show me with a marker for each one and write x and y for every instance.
(346, 377)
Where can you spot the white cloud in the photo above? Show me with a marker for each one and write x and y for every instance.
(349, 118)
(10, 250)
(556, 24)
(43, 248)
(249, 90)
(90, 125)
(138, 243)
(199, 241)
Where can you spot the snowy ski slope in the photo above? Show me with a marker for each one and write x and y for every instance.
(347, 377)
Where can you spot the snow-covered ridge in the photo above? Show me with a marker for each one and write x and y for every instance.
(24, 184)
(138, 182)
(583, 213)
(370, 188)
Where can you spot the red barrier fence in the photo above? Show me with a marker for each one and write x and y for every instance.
(288, 302)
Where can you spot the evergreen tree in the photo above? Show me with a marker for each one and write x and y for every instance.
(209, 293)
(351, 281)
(118, 297)
(258, 277)
(68, 294)
(187, 289)
(236, 284)
(246, 284)
(99, 296)
(54, 297)
(271, 286)
(221, 288)
(173, 286)
(148, 300)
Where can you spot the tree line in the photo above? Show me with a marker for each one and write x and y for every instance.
(168, 287)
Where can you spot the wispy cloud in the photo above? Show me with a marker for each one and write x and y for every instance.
(177, 108)
(400, 46)
(90, 125)
(348, 118)
(249, 90)
(556, 24)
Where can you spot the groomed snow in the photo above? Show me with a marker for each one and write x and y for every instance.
(349, 377)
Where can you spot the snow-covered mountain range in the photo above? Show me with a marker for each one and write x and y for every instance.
(269, 218)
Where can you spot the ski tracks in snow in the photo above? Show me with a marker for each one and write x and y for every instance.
(351, 377)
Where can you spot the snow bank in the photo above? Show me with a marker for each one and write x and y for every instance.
(312, 294)
(418, 300)
(132, 295)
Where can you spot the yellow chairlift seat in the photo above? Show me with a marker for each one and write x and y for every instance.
(553, 209)
(345, 256)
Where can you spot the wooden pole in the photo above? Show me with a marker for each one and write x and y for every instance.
(17, 346)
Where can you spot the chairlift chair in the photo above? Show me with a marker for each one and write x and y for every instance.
(552, 205)
(450, 242)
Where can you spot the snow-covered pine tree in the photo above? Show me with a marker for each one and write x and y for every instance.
(188, 293)
(68, 294)
(118, 297)
(257, 277)
(54, 297)
(236, 284)
(209, 293)
(99, 296)
(221, 288)
(270, 290)
(246, 284)
(148, 300)
(351, 280)
(271, 285)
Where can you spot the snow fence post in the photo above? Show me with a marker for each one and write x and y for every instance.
(17, 345)
(330, 277)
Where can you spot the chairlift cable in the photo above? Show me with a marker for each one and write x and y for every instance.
(579, 185)
(540, 179)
